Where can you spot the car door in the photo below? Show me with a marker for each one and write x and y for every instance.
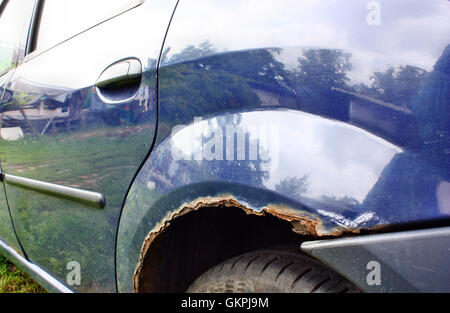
(14, 20)
(85, 100)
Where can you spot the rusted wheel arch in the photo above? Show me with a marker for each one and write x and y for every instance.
(208, 231)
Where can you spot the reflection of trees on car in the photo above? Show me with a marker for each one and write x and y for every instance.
(237, 169)
(412, 178)
(185, 84)
(318, 72)
(395, 85)
(293, 186)
(189, 53)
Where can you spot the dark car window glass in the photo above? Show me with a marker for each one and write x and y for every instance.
(62, 19)
(11, 26)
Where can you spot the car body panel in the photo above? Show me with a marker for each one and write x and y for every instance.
(360, 157)
(331, 115)
(79, 149)
(7, 233)
(403, 260)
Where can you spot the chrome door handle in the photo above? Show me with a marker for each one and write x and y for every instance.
(120, 81)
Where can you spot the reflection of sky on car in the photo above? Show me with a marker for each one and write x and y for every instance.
(364, 63)
(13, 22)
(336, 156)
(100, 37)
(413, 32)
(68, 13)
(6, 53)
(415, 37)
(404, 37)
(340, 160)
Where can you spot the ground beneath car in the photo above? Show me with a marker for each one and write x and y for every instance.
(13, 280)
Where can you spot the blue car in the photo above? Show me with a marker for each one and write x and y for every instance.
(226, 146)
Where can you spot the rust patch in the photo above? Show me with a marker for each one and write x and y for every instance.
(303, 223)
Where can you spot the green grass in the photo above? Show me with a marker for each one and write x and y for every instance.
(13, 280)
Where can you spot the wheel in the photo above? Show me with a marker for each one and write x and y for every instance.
(271, 270)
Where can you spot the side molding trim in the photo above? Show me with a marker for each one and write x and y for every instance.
(38, 274)
(93, 199)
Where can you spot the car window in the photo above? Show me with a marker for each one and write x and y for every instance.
(62, 19)
(12, 20)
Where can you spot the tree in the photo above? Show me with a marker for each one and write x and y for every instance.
(397, 86)
(318, 73)
(293, 186)
(189, 53)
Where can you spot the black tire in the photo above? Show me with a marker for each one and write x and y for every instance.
(271, 270)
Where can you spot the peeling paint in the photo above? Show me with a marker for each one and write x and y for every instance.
(303, 223)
